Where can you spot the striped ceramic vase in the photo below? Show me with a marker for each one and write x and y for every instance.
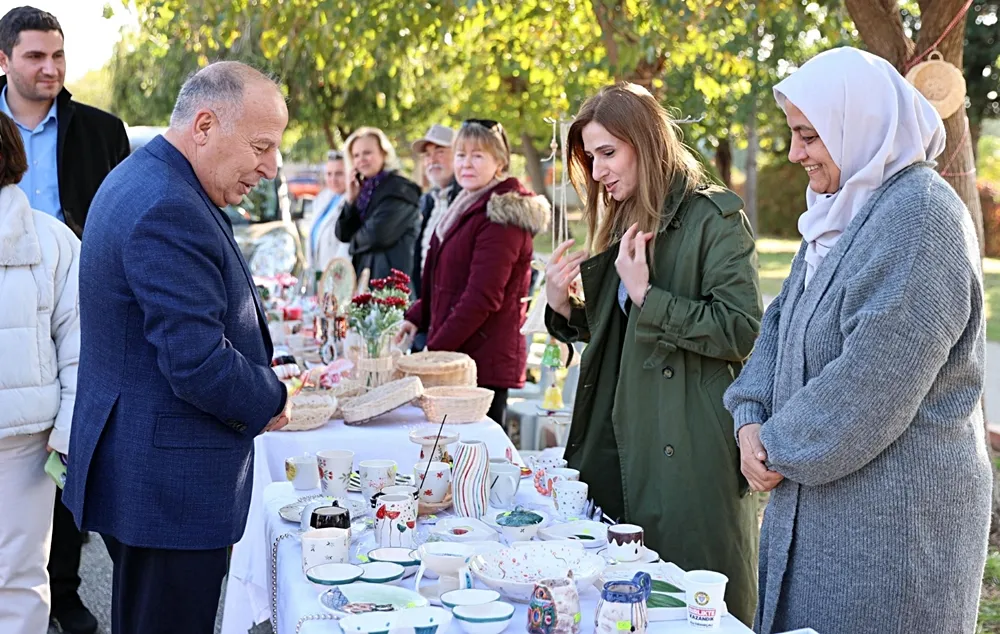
(470, 479)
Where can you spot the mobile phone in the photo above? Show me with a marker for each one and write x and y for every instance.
(358, 177)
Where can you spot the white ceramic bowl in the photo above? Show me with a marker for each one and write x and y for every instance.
(514, 571)
(473, 596)
(464, 529)
(405, 557)
(487, 618)
(334, 574)
(382, 572)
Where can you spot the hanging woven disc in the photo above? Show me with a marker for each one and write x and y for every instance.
(940, 82)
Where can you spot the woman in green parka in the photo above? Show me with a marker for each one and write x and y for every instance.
(672, 307)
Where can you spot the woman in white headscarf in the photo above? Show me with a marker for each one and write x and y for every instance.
(859, 408)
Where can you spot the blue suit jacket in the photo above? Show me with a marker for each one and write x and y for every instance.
(174, 379)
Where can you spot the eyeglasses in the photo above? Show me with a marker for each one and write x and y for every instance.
(492, 126)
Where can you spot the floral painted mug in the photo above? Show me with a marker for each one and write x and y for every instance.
(434, 488)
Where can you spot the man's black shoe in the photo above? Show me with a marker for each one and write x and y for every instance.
(74, 618)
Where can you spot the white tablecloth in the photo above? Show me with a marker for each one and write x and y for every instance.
(247, 598)
(298, 598)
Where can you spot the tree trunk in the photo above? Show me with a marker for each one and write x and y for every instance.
(328, 131)
(724, 162)
(534, 165)
(750, 188)
(881, 28)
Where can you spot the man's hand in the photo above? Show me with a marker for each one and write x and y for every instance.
(284, 417)
(753, 458)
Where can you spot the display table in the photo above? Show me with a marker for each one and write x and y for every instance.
(247, 598)
(297, 600)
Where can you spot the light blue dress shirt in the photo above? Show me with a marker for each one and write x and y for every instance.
(41, 183)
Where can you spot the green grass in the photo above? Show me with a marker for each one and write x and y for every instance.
(989, 603)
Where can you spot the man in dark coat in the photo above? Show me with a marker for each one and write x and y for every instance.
(71, 147)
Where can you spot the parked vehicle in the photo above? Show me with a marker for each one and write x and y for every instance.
(262, 223)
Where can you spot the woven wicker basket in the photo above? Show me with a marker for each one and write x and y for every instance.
(311, 409)
(380, 400)
(439, 368)
(346, 389)
(941, 83)
(462, 404)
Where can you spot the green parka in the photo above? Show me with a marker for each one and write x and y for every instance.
(650, 434)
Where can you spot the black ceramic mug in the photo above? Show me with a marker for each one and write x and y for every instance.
(330, 517)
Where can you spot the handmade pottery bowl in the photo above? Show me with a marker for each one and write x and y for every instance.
(514, 571)
(488, 618)
(469, 596)
(405, 557)
(334, 574)
(463, 529)
(520, 525)
(382, 572)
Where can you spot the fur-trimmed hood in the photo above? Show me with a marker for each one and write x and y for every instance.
(520, 208)
(18, 240)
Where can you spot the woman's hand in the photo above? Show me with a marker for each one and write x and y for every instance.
(353, 189)
(560, 272)
(407, 330)
(631, 263)
(753, 458)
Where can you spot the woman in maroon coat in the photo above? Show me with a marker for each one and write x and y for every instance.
(478, 268)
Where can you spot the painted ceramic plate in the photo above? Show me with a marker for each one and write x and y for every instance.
(402, 479)
(667, 599)
(464, 529)
(647, 556)
(293, 512)
(589, 533)
(339, 280)
(362, 598)
(429, 620)
(334, 574)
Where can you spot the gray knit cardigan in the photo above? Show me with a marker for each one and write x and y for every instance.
(868, 385)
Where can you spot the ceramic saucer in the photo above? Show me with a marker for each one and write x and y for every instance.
(646, 556)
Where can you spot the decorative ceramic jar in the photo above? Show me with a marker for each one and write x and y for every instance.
(623, 606)
(470, 479)
(554, 607)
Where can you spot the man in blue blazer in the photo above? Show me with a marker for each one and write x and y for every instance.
(174, 378)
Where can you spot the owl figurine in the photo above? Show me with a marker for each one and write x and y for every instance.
(542, 612)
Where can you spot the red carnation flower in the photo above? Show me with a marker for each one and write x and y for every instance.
(362, 300)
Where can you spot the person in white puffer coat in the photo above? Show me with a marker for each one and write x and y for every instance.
(39, 352)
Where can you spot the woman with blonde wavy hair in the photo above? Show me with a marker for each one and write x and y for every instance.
(672, 310)
(381, 216)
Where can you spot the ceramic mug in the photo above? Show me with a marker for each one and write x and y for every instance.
(395, 521)
(434, 489)
(545, 478)
(401, 489)
(335, 466)
(325, 546)
(302, 472)
(554, 607)
(504, 481)
(570, 498)
(375, 476)
(625, 542)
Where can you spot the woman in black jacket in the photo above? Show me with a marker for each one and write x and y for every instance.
(382, 218)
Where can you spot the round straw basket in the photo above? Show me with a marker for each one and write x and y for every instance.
(940, 82)
(461, 404)
(438, 368)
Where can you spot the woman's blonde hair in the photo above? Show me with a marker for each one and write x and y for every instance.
(391, 160)
(630, 113)
(488, 136)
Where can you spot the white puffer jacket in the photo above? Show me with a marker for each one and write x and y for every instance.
(39, 321)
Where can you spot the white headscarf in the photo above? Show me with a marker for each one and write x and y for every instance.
(873, 122)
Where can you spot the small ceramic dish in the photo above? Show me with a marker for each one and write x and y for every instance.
(334, 574)
(382, 572)
(588, 532)
(455, 598)
(361, 598)
(464, 529)
(646, 556)
(405, 557)
(488, 618)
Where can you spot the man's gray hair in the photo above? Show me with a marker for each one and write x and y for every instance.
(219, 87)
